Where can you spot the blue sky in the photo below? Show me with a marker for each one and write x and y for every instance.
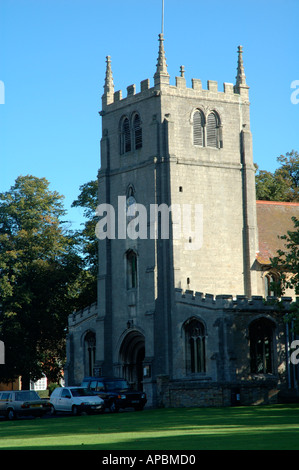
(52, 64)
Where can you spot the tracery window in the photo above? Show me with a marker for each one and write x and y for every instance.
(261, 334)
(130, 134)
(195, 345)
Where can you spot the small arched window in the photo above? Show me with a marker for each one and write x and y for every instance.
(195, 347)
(131, 204)
(198, 128)
(212, 133)
(271, 284)
(125, 136)
(137, 132)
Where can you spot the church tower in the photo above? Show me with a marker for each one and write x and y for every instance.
(180, 313)
(186, 154)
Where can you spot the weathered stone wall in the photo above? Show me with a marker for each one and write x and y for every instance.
(176, 394)
(79, 324)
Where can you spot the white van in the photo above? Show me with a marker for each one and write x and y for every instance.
(75, 400)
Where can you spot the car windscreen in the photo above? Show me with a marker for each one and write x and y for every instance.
(117, 385)
(26, 396)
(81, 392)
(96, 386)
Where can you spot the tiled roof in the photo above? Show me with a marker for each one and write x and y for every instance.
(274, 219)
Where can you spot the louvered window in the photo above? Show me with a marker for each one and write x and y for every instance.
(125, 136)
(137, 132)
(212, 130)
(198, 129)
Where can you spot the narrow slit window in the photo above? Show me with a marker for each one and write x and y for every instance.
(131, 270)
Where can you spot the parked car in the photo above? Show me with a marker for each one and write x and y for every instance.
(116, 392)
(75, 400)
(22, 403)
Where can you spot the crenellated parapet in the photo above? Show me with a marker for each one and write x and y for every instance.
(230, 92)
(207, 301)
(197, 91)
(228, 302)
(80, 316)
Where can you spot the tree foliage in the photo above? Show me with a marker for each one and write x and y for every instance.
(283, 184)
(86, 238)
(39, 270)
(287, 264)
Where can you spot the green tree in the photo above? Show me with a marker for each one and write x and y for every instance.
(283, 184)
(268, 188)
(287, 264)
(39, 268)
(86, 239)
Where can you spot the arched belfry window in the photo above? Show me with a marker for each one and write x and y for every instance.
(198, 128)
(131, 259)
(207, 131)
(212, 130)
(261, 334)
(125, 136)
(137, 132)
(195, 346)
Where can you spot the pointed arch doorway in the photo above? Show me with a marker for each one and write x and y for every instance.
(131, 357)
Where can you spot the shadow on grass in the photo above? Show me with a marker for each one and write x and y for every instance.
(285, 440)
(275, 427)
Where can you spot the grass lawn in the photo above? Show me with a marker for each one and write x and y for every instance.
(245, 428)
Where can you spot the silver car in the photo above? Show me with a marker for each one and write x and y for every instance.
(22, 403)
(75, 400)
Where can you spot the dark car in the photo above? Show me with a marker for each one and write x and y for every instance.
(115, 392)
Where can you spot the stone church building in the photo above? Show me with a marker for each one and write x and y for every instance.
(189, 319)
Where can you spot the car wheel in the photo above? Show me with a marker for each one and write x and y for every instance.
(11, 415)
(52, 411)
(113, 407)
(75, 411)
